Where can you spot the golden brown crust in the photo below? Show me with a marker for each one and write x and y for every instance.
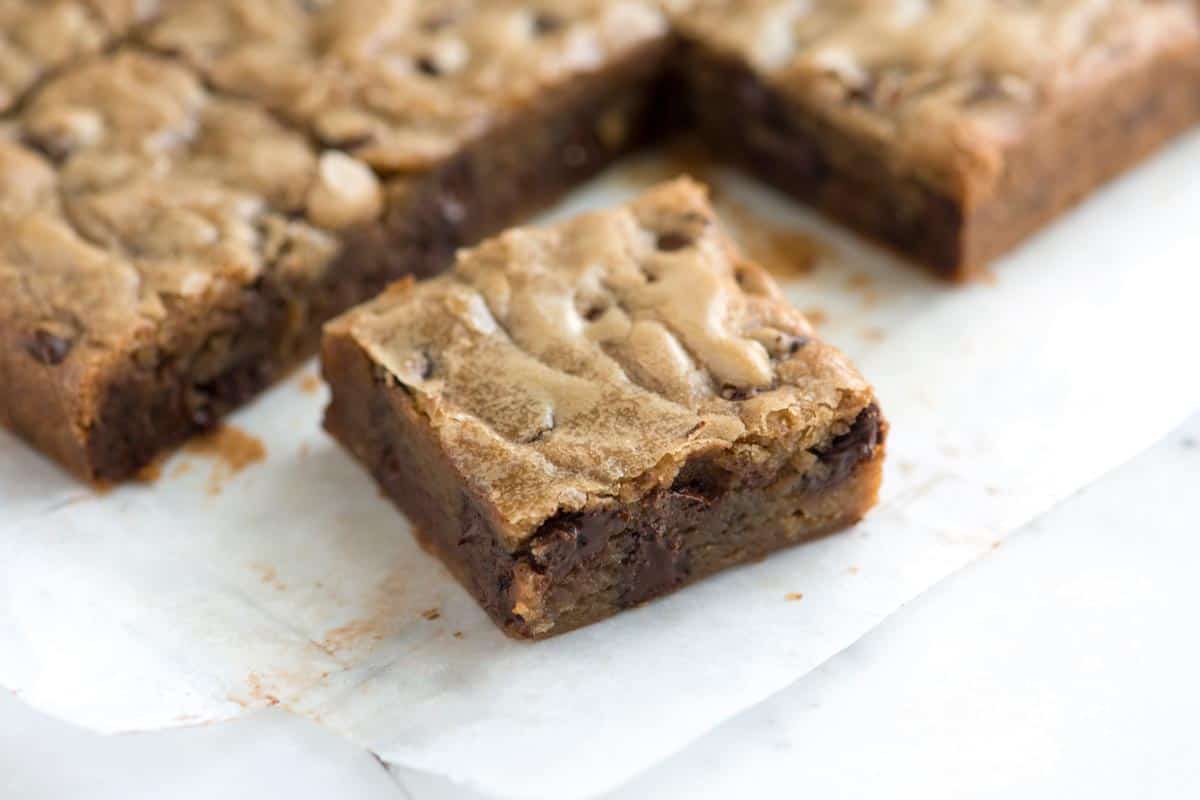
(568, 367)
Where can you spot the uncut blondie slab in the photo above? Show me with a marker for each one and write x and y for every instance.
(165, 253)
(581, 418)
(478, 112)
(949, 129)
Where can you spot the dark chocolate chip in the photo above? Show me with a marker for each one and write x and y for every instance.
(427, 367)
(567, 540)
(428, 66)
(48, 348)
(701, 482)
(846, 452)
(595, 312)
(659, 565)
(731, 392)
(545, 23)
(672, 241)
(796, 344)
(437, 22)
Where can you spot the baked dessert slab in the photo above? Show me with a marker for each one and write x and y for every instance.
(165, 253)
(477, 113)
(581, 418)
(949, 129)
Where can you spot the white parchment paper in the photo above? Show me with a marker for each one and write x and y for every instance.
(292, 582)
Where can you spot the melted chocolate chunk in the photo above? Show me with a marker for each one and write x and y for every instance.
(659, 565)
(48, 348)
(843, 455)
(570, 539)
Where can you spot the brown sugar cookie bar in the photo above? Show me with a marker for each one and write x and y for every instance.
(581, 418)
(477, 111)
(165, 253)
(949, 129)
(38, 37)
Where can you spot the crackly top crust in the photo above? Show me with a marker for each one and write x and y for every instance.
(569, 367)
(37, 36)
(126, 188)
(944, 84)
(401, 84)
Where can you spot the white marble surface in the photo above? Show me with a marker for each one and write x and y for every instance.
(1062, 664)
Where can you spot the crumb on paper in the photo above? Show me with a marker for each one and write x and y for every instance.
(783, 251)
(152, 472)
(458, 634)
(996, 544)
(181, 469)
(232, 451)
(353, 635)
(853, 571)
(259, 694)
(383, 616)
(304, 450)
(874, 334)
(793, 596)
(310, 383)
(864, 285)
(269, 575)
(816, 316)
(431, 614)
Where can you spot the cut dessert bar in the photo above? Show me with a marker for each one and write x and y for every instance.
(40, 36)
(164, 254)
(950, 129)
(581, 418)
(478, 111)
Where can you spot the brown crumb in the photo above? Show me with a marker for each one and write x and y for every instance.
(232, 450)
(458, 634)
(852, 571)
(431, 614)
(996, 544)
(874, 334)
(816, 316)
(783, 251)
(793, 596)
(310, 383)
(181, 469)
(152, 471)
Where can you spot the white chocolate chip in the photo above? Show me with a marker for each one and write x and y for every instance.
(345, 193)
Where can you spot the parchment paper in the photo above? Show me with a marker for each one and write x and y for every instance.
(235, 581)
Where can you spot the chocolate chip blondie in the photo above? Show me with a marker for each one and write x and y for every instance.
(165, 253)
(950, 129)
(581, 418)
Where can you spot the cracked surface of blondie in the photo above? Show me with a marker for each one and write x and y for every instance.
(398, 83)
(569, 367)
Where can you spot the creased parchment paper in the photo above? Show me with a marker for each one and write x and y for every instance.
(243, 578)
